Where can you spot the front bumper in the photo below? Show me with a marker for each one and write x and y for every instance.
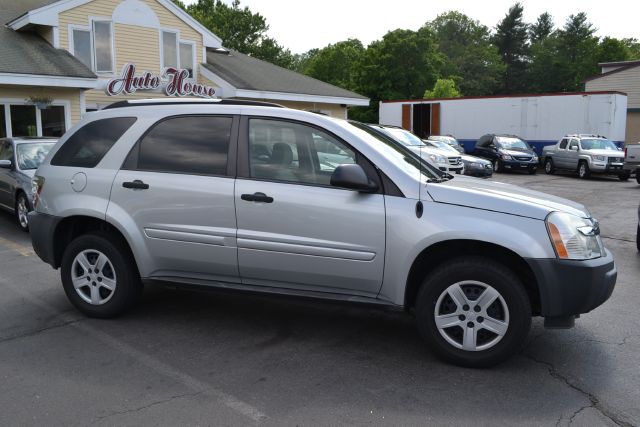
(569, 288)
(518, 165)
(479, 170)
(604, 167)
(42, 228)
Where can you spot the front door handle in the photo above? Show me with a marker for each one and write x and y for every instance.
(257, 197)
(137, 184)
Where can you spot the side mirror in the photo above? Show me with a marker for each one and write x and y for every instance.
(574, 148)
(5, 164)
(352, 176)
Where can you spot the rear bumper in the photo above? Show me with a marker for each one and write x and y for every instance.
(42, 228)
(570, 288)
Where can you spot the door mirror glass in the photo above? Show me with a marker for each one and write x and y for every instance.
(5, 164)
(574, 148)
(352, 176)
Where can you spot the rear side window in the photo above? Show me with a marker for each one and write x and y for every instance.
(89, 144)
(563, 143)
(196, 145)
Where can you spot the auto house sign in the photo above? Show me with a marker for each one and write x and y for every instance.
(174, 81)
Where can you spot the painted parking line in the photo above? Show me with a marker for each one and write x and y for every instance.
(17, 247)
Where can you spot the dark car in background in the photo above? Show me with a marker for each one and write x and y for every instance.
(473, 166)
(19, 159)
(507, 152)
(449, 140)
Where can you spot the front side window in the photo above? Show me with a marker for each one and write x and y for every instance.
(88, 145)
(186, 57)
(6, 150)
(574, 144)
(169, 49)
(102, 42)
(53, 123)
(23, 120)
(286, 151)
(30, 155)
(82, 46)
(196, 145)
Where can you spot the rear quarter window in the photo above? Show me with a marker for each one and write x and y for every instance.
(89, 144)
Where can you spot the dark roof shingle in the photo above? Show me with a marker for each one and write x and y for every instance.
(245, 72)
(12, 9)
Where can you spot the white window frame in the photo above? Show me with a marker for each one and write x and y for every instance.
(161, 37)
(70, 30)
(193, 55)
(94, 59)
(8, 102)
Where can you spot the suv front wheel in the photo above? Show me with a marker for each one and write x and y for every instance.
(473, 312)
(97, 276)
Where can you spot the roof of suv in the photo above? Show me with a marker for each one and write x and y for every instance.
(187, 101)
(584, 135)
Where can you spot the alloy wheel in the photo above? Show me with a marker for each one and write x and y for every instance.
(471, 315)
(93, 277)
(23, 211)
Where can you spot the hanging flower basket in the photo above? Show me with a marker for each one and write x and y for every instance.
(41, 102)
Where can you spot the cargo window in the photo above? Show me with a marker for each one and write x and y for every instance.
(88, 145)
(196, 145)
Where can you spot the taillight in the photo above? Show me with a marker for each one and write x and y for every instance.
(36, 186)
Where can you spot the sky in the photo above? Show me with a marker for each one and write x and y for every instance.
(302, 25)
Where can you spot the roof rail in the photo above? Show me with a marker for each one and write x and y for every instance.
(188, 101)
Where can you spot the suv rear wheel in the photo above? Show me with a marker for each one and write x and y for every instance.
(98, 277)
(473, 312)
(496, 166)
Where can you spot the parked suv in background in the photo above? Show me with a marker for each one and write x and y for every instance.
(234, 195)
(19, 159)
(585, 154)
(507, 152)
(632, 160)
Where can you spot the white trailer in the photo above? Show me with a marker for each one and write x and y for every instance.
(540, 119)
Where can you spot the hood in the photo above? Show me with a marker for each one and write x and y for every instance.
(502, 197)
(28, 172)
(431, 150)
(606, 153)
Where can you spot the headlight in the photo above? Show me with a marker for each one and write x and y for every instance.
(534, 159)
(438, 159)
(573, 237)
(474, 164)
(599, 158)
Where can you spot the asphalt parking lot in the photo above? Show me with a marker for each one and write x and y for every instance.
(199, 358)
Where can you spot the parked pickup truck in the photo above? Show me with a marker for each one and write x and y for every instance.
(585, 154)
(632, 159)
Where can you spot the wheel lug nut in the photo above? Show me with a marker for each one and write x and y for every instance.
(93, 283)
(97, 271)
(476, 309)
(88, 278)
(99, 279)
(480, 319)
(470, 324)
(462, 317)
(465, 307)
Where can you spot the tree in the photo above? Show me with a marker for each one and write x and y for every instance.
(542, 28)
(511, 39)
(468, 57)
(444, 88)
(401, 65)
(336, 63)
(239, 29)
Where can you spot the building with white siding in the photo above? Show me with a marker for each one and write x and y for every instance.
(624, 77)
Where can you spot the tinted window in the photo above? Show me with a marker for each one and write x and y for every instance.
(191, 144)
(88, 145)
(285, 151)
(563, 144)
(6, 150)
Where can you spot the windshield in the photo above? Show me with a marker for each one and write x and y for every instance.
(405, 137)
(31, 154)
(447, 139)
(441, 145)
(598, 144)
(510, 142)
(410, 162)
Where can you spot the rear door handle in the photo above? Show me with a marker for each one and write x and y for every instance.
(137, 184)
(257, 197)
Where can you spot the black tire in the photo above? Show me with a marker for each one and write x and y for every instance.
(497, 167)
(583, 173)
(549, 167)
(624, 176)
(22, 200)
(128, 288)
(483, 270)
(638, 238)
(638, 176)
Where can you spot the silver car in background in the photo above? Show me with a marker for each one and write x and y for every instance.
(19, 159)
(473, 166)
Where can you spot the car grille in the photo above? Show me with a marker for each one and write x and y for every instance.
(615, 160)
(455, 161)
(523, 158)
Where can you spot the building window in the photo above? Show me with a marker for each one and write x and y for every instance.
(3, 123)
(169, 49)
(103, 46)
(82, 46)
(186, 57)
(53, 121)
(23, 120)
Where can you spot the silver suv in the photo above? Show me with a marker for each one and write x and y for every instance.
(255, 197)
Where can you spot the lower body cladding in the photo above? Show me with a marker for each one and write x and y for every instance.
(569, 288)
